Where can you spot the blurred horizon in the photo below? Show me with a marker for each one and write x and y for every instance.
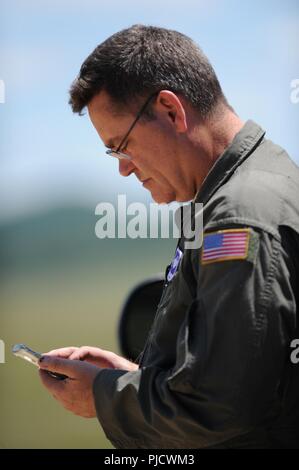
(51, 157)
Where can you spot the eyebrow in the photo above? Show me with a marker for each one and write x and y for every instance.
(111, 142)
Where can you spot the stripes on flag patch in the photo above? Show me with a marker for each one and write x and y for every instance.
(225, 245)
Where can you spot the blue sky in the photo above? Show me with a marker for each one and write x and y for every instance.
(50, 157)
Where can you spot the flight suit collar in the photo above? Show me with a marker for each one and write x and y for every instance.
(243, 144)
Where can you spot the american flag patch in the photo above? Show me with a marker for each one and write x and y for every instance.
(225, 245)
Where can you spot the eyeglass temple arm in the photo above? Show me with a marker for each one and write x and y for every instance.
(135, 120)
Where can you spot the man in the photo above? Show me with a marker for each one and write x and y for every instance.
(216, 369)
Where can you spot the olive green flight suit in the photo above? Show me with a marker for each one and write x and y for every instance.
(216, 369)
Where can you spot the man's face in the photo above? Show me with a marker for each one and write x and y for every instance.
(152, 145)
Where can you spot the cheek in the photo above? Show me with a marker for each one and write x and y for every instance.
(153, 161)
(152, 148)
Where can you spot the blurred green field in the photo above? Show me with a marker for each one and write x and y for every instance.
(61, 286)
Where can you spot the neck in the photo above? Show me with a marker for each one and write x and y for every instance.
(209, 140)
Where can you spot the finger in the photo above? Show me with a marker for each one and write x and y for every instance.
(79, 354)
(95, 356)
(62, 352)
(53, 385)
(87, 357)
(91, 352)
(85, 352)
(60, 365)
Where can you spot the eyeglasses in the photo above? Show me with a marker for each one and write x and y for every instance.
(117, 153)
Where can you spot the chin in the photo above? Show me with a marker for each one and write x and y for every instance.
(163, 198)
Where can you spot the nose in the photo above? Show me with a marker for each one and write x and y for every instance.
(126, 167)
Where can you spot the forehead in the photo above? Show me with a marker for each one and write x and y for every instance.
(109, 120)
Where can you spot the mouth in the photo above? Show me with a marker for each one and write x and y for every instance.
(145, 181)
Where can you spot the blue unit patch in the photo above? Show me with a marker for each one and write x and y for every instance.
(175, 264)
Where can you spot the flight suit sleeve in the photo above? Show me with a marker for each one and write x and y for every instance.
(231, 352)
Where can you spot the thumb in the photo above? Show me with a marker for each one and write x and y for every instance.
(57, 364)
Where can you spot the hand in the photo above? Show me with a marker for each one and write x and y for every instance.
(96, 356)
(74, 393)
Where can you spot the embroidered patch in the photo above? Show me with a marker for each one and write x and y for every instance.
(175, 264)
(224, 245)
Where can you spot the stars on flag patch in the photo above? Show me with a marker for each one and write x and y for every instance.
(224, 245)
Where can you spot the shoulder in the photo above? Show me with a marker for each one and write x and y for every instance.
(263, 193)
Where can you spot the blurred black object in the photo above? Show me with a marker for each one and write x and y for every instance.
(137, 315)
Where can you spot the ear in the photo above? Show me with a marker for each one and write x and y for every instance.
(170, 104)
